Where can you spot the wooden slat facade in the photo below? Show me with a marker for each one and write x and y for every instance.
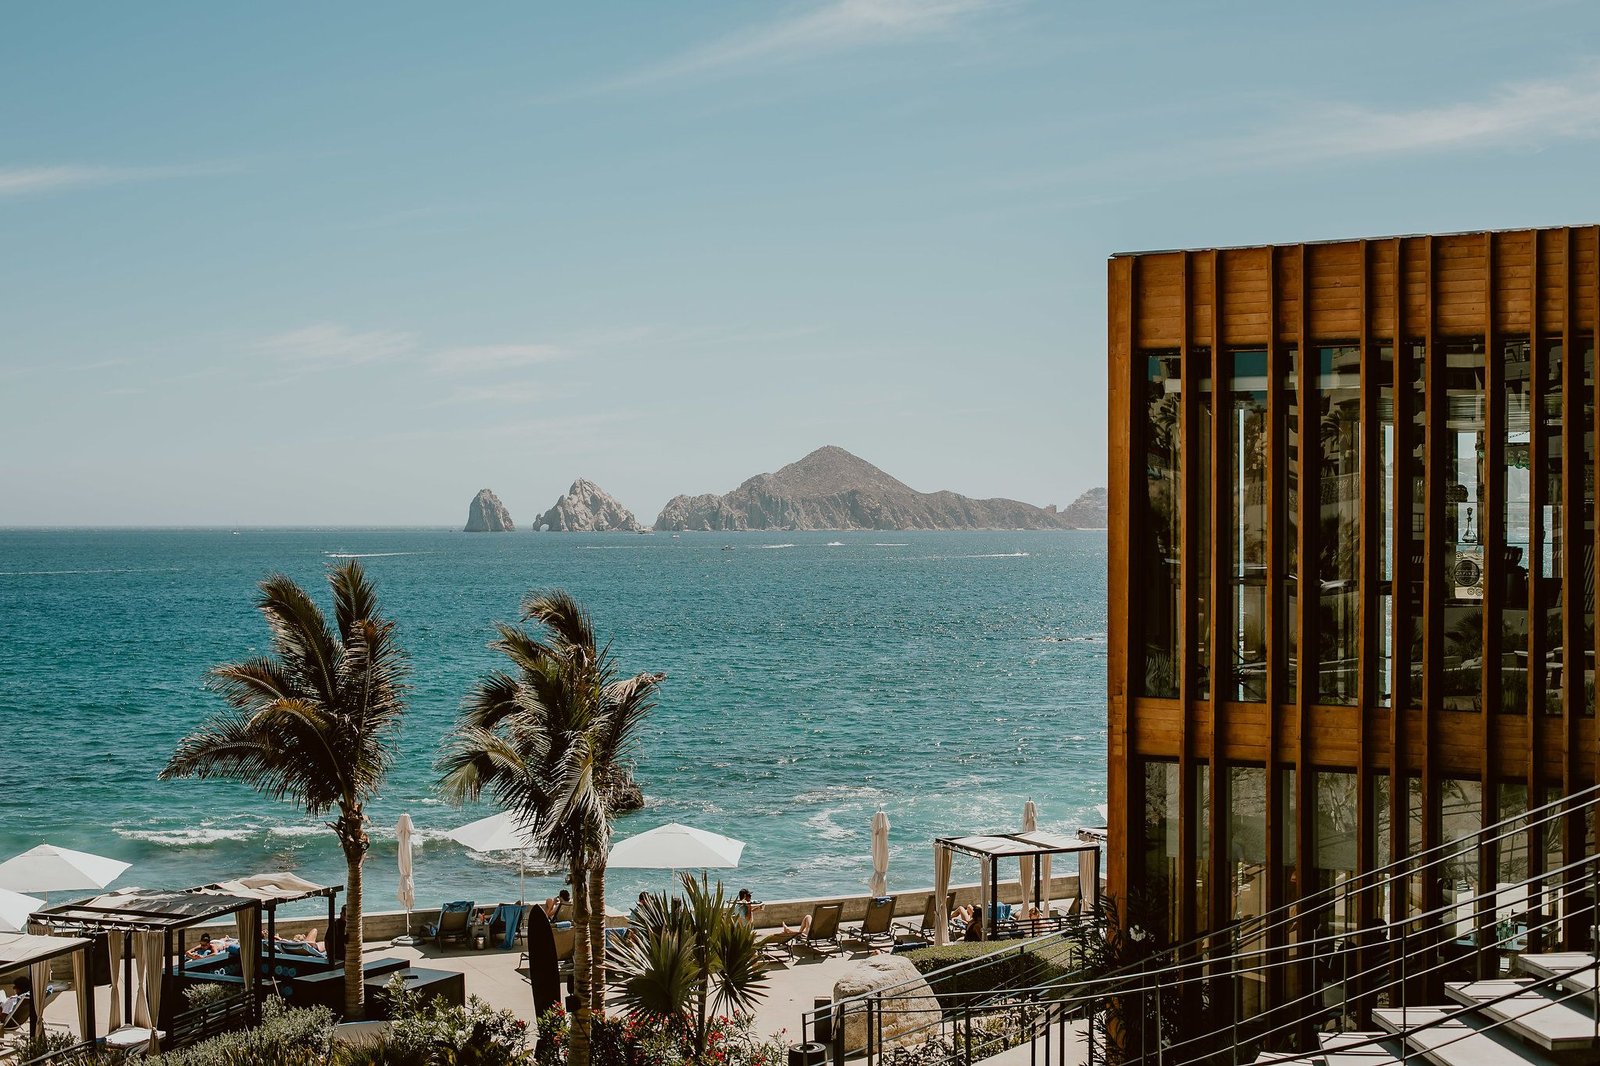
(1471, 293)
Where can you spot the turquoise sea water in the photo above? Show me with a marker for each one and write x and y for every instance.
(946, 677)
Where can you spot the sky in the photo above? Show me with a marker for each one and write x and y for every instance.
(347, 264)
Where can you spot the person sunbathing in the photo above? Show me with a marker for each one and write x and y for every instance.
(804, 928)
(556, 904)
(205, 948)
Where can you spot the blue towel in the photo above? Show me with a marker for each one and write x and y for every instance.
(511, 915)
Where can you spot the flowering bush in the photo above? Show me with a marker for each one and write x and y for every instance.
(634, 1040)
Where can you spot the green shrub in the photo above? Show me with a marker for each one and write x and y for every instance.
(286, 1037)
(1010, 969)
(434, 1033)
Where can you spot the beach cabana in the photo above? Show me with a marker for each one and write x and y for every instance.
(273, 890)
(22, 954)
(143, 931)
(989, 849)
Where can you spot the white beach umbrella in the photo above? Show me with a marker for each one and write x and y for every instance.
(676, 847)
(1030, 822)
(880, 854)
(500, 832)
(48, 869)
(408, 886)
(14, 910)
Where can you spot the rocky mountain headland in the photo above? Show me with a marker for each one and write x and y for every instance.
(833, 489)
(486, 514)
(586, 508)
(1087, 511)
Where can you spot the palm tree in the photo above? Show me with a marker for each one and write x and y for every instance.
(551, 743)
(688, 957)
(313, 723)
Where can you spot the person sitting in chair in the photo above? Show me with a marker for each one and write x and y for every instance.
(203, 949)
(11, 1006)
(557, 904)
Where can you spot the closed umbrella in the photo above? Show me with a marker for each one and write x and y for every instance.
(408, 886)
(880, 854)
(500, 832)
(1030, 822)
(48, 869)
(14, 910)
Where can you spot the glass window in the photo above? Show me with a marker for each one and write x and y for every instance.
(1248, 546)
(1338, 532)
(1460, 819)
(1161, 798)
(1202, 845)
(1382, 852)
(1289, 523)
(1547, 534)
(1511, 860)
(1161, 526)
(1410, 375)
(1247, 840)
(1385, 587)
(1517, 491)
(1200, 646)
(1333, 821)
(1462, 670)
(1586, 549)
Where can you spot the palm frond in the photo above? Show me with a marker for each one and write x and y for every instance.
(354, 598)
(565, 617)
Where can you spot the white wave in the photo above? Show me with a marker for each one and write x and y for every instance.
(831, 862)
(369, 555)
(297, 830)
(835, 793)
(835, 543)
(900, 544)
(996, 555)
(828, 829)
(185, 838)
(777, 545)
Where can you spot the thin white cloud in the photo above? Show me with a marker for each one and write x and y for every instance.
(25, 181)
(1523, 114)
(488, 358)
(328, 344)
(818, 29)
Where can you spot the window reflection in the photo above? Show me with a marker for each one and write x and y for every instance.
(1201, 645)
(1161, 799)
(1159, 545)
(1549, 546)
(1516, 490)
(1250, 448)
(1462, 526)
(1338, 532)
(1289, 522)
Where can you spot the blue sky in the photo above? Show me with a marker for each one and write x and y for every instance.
(309, 263)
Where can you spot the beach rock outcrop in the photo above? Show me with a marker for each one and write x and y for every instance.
(486, 514)
(832, 489)
(904, 1015)
(625, 794)
(1087, 511)
(586, 508)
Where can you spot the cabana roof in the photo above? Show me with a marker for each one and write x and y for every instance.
(1014, 845)
(271, 889)
(143, 910)
(21, 949)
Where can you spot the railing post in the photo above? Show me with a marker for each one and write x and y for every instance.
(967, 1038)
(1161, 1057)
(1234, 991)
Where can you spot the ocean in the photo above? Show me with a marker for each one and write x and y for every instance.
(812, 678)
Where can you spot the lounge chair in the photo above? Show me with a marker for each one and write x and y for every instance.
(824, 927)
(878, 925)
(923, 927)
(452, 922)
(774, 947)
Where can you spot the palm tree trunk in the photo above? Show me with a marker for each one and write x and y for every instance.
(578, 1051)
(597, 939)
(353, 1010)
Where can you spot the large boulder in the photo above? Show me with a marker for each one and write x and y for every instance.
(486, 514)
(586, 508)
(908, 1014)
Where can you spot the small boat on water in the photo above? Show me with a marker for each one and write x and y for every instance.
(835, 543)
(727, 547)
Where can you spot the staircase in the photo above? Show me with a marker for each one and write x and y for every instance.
(1545, 1016)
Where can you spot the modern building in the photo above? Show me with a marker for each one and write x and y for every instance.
(1352, 516)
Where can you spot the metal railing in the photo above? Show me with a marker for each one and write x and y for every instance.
(1134, 1009)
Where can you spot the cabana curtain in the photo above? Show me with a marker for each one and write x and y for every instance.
(941, 890)
(116, 945)
(149, 951)
(80, 980)
(246, 924)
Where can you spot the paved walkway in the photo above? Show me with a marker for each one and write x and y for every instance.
(493, 976)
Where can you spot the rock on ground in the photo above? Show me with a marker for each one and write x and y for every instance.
(906, 1014)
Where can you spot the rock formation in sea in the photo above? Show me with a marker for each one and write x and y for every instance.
(586, 508)
(832, 489)
(1087, 511)
(486, 514)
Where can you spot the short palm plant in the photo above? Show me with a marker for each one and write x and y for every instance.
(688, 957)
(314, 723)
(550, 742)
